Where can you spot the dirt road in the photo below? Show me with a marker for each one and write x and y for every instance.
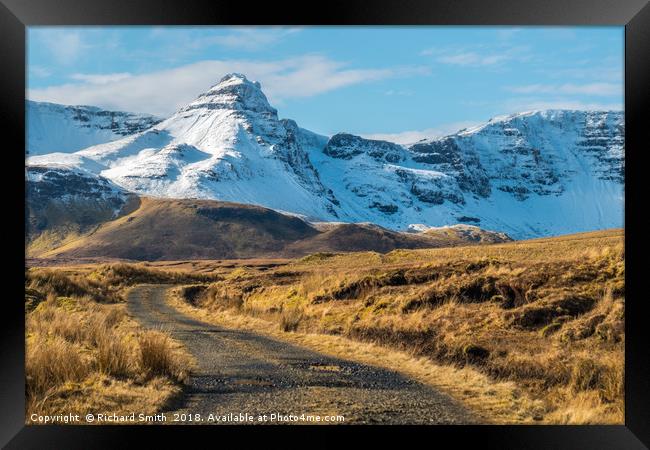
(241, 373)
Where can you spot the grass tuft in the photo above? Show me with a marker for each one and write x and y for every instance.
(50, 362)
(290, 319)
(158, 357)
(113, 355)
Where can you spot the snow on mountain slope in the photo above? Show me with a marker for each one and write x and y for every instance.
(531, 174)
(228, 144)
(61, 128)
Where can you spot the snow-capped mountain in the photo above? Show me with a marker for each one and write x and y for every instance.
(60, 128)
(228, 144)
(530, 174)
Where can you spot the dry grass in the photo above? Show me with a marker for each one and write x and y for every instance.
(290, 319)
(122, 274)
(40, 283)
(528, 331)
(546, 314)
(52, 362)
(158, 357)
(83, 354)
(102, 283)
(113, 356)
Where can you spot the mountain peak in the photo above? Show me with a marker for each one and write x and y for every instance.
(235, 78)
(234, 92)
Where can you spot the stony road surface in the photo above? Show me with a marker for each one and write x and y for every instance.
(240, 372)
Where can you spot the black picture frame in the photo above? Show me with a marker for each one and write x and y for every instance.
(16, 15)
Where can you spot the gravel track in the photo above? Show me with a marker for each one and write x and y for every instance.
(240, 372)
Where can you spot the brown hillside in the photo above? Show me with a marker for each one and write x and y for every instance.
(166, 229)
(350, 237)
(189, 229)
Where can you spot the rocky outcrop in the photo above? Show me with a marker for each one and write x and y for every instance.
(347, 146)
(71, 199)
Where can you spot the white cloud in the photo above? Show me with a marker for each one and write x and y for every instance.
(560, 33)
(508, 33)
(248, 38)
(100, 78)
(164, 91)
(479, 55)
(39, 71)
(611, 73)
(598, 89)
(236, 38)
(399, 92)
(473, 59)
(412, 136)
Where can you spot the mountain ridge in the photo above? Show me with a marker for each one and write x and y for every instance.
(529, 174)
(67, 128)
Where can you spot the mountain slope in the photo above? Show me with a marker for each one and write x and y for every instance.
(532, 174)
(60, 128)
(65, 203)
(529, 175)
(228, 144)
(166, 229)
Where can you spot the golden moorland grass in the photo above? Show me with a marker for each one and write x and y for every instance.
(546, 315)
(85, 355)
(529, 331)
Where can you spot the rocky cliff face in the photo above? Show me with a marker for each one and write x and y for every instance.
(531, 174)
(347, 146)
(532, 153)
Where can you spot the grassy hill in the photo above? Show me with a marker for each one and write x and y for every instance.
(168, 229)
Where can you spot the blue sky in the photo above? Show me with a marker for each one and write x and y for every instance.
(402, 83)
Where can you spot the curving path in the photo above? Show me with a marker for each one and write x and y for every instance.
(240, 372)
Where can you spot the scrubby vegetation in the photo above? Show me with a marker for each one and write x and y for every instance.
(545, 314)
(84, 355)
(120, 275)
(105, 283)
